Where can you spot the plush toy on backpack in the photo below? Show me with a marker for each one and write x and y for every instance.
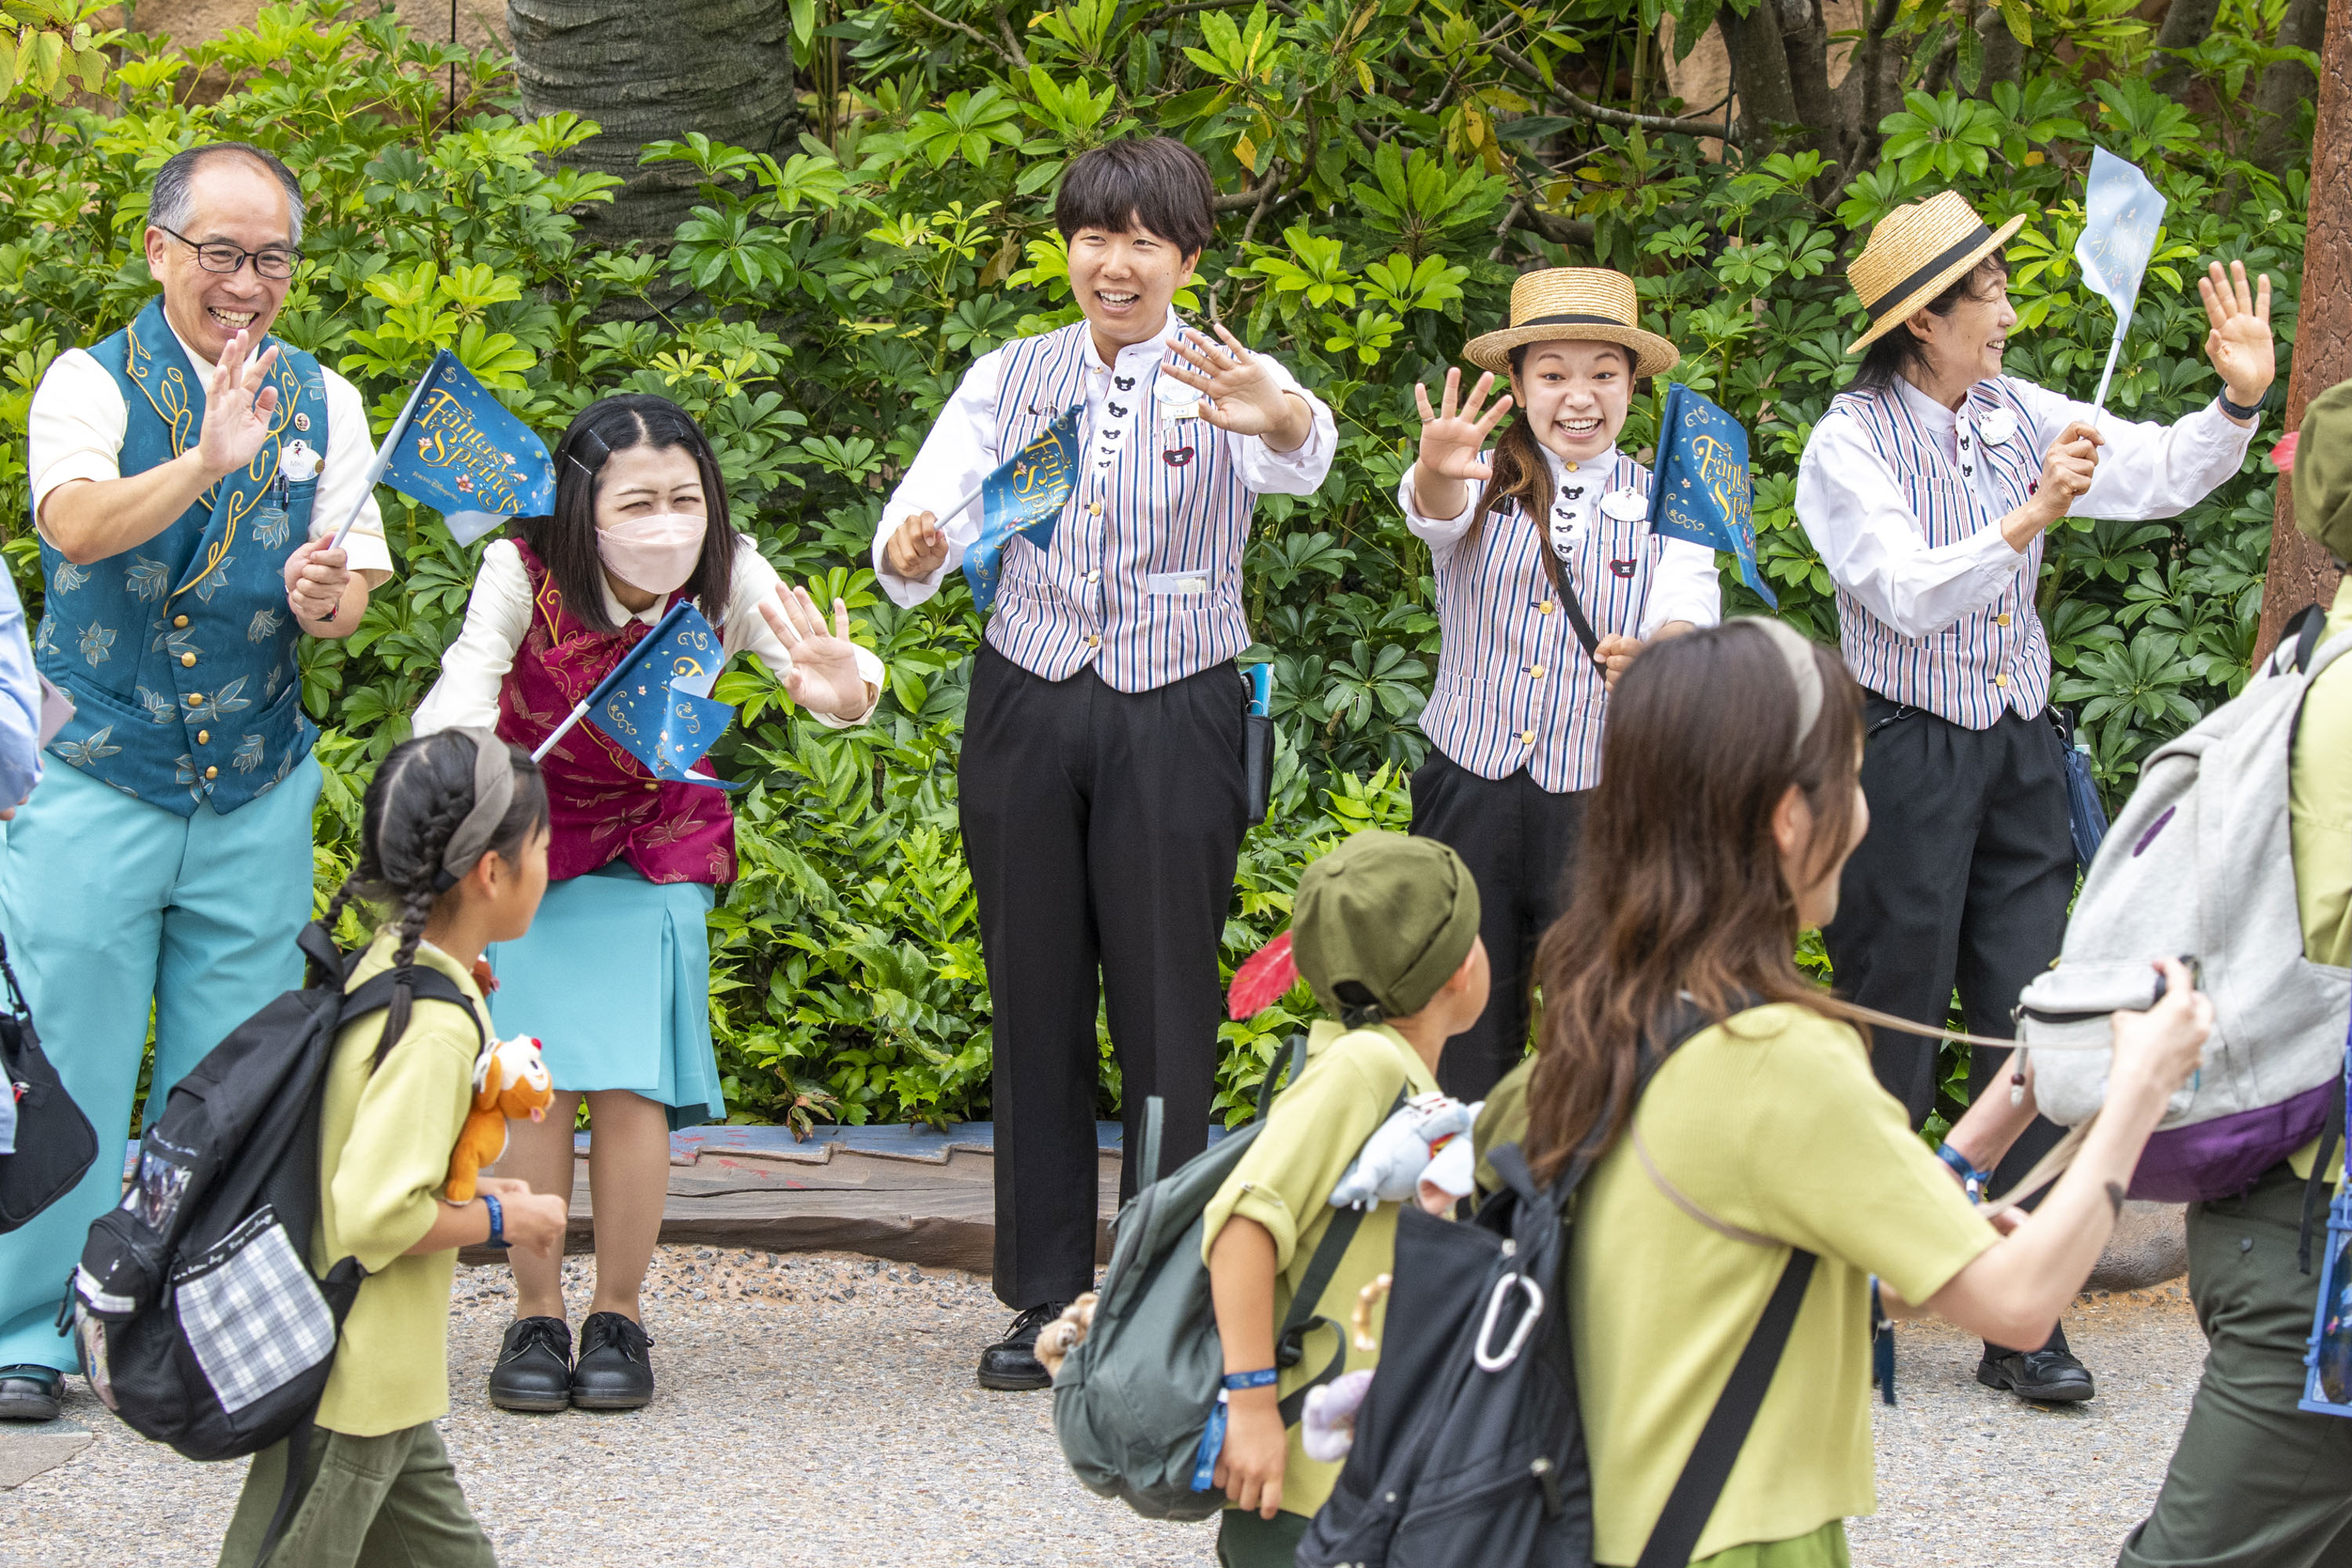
(509, 1083)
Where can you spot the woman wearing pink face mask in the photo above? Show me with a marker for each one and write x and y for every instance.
(614, 976)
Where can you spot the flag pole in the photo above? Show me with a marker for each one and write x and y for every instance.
(2115, 351)
(383, 455)
(612, 678)
(579, 711)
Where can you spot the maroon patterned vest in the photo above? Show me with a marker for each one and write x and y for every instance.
(603, 803)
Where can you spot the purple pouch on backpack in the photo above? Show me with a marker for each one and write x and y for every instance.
(2220, 1158)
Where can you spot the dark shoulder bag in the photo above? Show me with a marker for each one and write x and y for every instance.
(54, 1142)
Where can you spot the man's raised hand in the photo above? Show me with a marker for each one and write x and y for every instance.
(1244, 396)
(239, 403)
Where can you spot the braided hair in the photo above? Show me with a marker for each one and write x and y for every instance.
(421, 792)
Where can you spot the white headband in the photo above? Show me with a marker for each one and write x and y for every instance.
(494, 787)
(1796, 651)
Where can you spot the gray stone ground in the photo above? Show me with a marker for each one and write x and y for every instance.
(820, 1409)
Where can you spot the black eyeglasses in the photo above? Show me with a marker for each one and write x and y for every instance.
(275, 263)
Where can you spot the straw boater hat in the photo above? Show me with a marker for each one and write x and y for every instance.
(1916, 252)
(1592, 303)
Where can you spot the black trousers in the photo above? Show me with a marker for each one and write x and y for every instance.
(1102, 828)
(1519, 841)
(1962, 881)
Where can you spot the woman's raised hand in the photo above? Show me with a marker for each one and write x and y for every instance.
(2157, 1051)
(2239, 344)
(1450, 440)
(824, 676)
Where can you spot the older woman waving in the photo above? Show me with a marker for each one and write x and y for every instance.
(1927, 488)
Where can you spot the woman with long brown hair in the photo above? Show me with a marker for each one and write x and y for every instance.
(1729, 800)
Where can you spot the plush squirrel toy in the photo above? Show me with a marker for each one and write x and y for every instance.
(510, 1082)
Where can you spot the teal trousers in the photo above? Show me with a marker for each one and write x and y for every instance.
(114, 908)
(2255, 1483)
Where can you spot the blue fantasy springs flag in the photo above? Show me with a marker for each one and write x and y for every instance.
(656, 704)
(455, 448)
(1023, 497)
(1700, 489)
(2121, 212)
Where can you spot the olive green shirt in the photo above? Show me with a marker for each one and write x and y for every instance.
(1285, 1181)
(2319, 817)
(383, 1157)
(1772, 1124)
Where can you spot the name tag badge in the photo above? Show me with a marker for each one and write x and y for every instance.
(1177, 585)
(1176, 400)
(1997, 427)
(1628, 505)
(299, 461)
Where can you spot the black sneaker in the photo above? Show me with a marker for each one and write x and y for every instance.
(614, 1372)
(1011, 1364)
(2050, 1376)
(30, 1392)
(534, 1367)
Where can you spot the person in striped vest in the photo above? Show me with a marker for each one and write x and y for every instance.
(1927, 488)
(1549, 581)
(1101, 789)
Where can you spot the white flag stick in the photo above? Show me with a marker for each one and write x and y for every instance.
(383, 458)
(2115, 351)
(578, 712)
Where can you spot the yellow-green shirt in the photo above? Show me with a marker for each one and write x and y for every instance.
(383, 1157)
(2319, 816)
(1773, 1124)
(1285, 1183)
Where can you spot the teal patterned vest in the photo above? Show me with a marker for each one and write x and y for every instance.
(179, 652)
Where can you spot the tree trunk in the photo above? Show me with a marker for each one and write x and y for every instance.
(2300, 572)
(651, 70)
(2185, 24)
(1759, 74)
(1873, 88)
(1805, 46)
(2287, 86)
(2004, 56)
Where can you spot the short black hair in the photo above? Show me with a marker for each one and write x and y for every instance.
(566, 541)
(171, 193)
(1884, 361)
(1153, 182)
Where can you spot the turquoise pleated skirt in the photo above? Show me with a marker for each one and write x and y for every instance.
(613, 977)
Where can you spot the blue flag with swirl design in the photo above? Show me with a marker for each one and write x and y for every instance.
(1700, 489)
(656, 704)
(462, 454)
(1023, 497)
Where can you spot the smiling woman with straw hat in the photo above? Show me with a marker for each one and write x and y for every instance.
(1549, 581)
(1926, 487)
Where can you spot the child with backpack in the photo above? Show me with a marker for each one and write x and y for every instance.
(1729, 800)
(454, 848)
(615, 977)
(1385, 930)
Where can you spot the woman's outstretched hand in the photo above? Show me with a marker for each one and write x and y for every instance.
(1450, 440)
(2239, 345)
(824, 676)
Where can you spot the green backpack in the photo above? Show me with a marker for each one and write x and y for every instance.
(1132, 1399)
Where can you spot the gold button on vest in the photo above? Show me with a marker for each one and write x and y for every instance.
(1547, 607)
(1534, 671)
(2002, 679)
(179, 620)
(203, 737)
(1526, 737)
(195, 698)
(2001, 619)
(187, 661)
(1094, 642)
(212, 772)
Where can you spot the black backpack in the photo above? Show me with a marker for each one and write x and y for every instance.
(202, 1325)
(54, 1142)
(1469, 1449)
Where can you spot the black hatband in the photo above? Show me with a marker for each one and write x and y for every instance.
(1919, 279)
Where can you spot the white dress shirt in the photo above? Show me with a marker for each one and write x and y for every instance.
(1852, 507)
(497, 617)
(1684, 585)
(76, 428)
(961, 450)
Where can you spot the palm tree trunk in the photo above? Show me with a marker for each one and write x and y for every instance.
(2300, 572)
(651, 70)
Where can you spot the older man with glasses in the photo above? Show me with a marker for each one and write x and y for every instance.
(187, 472)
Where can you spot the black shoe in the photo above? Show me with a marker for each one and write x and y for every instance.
(534, 1368)
(31, 1392)
(614, 1372)
(1011, 1364)
(2050, 1377)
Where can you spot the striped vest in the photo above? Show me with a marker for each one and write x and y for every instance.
(1992, 659)
(1143, 578)
(1513, 688)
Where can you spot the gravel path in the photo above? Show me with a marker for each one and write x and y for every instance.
(820, 1409)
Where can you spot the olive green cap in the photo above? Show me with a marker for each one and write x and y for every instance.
(2322, 471)
(1393, 915)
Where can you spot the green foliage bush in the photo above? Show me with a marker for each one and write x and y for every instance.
(815, 311)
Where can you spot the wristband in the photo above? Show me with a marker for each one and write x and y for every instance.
(1972, 1181)
(2243, 410)
(1237, 1381)
(498, 1222)
(1213, 1436)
